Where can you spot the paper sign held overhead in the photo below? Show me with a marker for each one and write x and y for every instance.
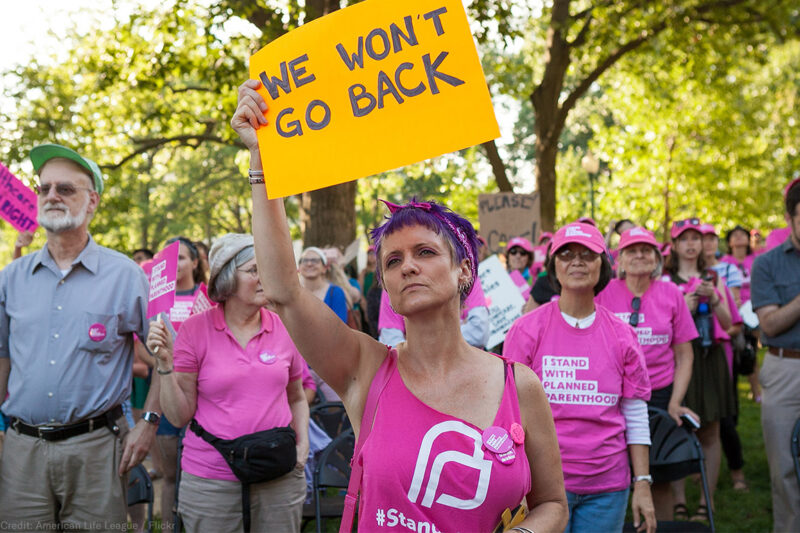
(163, 277)
(18, 204)
(369, 88)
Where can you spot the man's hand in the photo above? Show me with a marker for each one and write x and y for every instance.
(136, 445)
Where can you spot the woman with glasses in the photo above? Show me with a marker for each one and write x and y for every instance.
(454, 435)
(664, 327)
(519, 257)
(594, 374)
(313, 268)
(235, 371)
(710, 393)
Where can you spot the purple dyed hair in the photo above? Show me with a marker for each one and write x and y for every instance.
(458, 232)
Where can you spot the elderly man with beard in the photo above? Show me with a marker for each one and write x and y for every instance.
(68, 314)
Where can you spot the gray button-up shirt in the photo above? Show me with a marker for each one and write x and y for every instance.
(70, 337)
(775, 280)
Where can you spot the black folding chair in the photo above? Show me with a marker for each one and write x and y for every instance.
(796, 449)
(331, 417)
(140, 490)
(675, 453)
(332, 472)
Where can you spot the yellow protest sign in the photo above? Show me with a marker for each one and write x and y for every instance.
(378, 85)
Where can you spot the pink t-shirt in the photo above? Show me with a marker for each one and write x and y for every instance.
(239, 391)
(428, 471)
(664, 321)
(387, 318)
(584, 373)
(745, 267)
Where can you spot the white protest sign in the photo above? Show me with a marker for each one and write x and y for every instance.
(502, 298)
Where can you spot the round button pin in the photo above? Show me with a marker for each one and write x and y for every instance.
(508, 457)
(496, 439)
(97, 332)
(517, 433)
(268, 358)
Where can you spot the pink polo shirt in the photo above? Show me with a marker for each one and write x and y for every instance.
(239, 391)
(584, 373)
(664, 321)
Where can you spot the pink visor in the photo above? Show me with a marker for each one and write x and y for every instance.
(578, 233)
(522, 242)
(708, 229)
(637, 236)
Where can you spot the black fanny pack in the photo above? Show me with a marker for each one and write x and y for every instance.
(256, 457)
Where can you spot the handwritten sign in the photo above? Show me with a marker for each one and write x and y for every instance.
(372, 87)
(163, 276)
(502, 297)
(505, 215)
(18, 204)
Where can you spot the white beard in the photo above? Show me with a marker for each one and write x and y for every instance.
(54, 221)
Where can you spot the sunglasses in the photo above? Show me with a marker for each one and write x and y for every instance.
(569, 256)
(636, 303)
(62, 189)
(517, 251)
(686, 222)
(310, 261)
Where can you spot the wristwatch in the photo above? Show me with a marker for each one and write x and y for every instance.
(647, 478)
(151, 417)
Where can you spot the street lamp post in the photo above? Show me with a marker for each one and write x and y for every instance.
(591, 165)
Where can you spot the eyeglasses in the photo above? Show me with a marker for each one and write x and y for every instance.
(685, 222)
(310, 261)
(517, 251)
(636, 303)
(62, 189)
(568, 256)
(252, 271)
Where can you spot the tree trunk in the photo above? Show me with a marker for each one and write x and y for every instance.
(328, 216)
(498, 167)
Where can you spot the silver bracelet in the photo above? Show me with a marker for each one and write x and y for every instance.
(164, 372)
(522, 529)
(255, 176)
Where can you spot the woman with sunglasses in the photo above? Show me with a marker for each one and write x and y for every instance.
(710, 393)
(519, 257)
(455, 435)
(595, 377)
(657, 311)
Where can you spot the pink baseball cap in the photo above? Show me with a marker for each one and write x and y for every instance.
(637, 235)
(522, 242)
(679, 226)
(578, 233)
(708, 229)
(545, 235)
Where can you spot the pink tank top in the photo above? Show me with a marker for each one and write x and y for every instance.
(426, 471)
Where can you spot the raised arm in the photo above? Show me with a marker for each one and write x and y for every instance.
(346, 359)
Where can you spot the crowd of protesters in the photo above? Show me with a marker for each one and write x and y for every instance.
(449, 435)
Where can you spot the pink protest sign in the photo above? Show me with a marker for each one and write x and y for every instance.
(163, 277)
(18, 204)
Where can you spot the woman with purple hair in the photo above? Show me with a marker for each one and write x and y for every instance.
(449, 436)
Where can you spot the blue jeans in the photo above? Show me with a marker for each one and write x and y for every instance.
(602, 512)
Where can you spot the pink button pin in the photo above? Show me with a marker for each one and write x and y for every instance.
(517, 433)
(496, 439)
(508, 457)
(268, 358)
(97, 332)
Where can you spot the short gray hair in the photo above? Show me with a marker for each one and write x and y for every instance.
(224, 285)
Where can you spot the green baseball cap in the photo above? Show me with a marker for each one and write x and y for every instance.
(45, 152)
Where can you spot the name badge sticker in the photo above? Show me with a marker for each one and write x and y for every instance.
(268, 358)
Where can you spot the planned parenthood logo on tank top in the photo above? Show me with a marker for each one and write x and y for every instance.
(561, 384)
(475, 461)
